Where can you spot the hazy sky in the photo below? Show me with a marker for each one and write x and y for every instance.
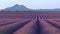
(32, 4)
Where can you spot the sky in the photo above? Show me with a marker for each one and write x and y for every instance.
(32, 4)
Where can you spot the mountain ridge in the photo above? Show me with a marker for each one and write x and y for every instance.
(16, 8)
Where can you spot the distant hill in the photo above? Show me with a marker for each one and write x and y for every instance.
(23, 8)
(47, 9)
(16, 8)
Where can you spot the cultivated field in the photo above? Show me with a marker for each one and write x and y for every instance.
(29, 22)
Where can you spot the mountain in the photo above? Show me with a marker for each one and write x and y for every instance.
(23, 8)
(16, 8)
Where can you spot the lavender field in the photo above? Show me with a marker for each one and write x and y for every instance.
(29, 22)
